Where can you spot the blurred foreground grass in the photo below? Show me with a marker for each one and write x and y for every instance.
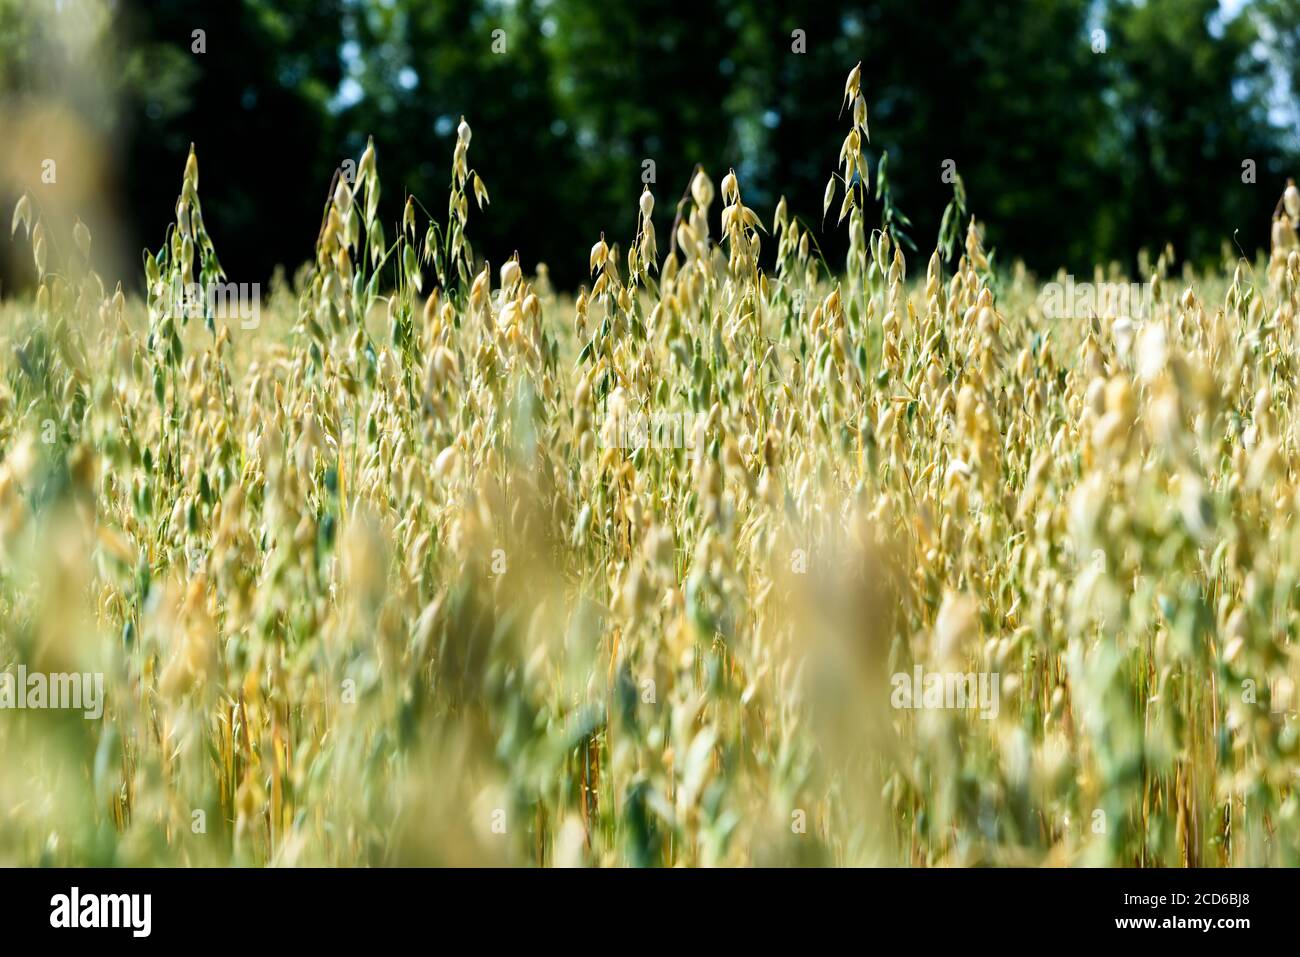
(374, 582)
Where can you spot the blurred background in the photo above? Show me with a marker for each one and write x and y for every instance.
(1083, 130)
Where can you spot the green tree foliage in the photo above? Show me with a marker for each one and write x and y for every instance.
(1008, 94)
(1072, 149)
(647, 81)
(255, 103)
(1189, 100)
(1278, 23)
(419, 67)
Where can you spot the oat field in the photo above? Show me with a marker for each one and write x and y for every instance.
(429, 564)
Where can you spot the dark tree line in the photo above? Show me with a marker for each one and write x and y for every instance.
(1083, 131)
